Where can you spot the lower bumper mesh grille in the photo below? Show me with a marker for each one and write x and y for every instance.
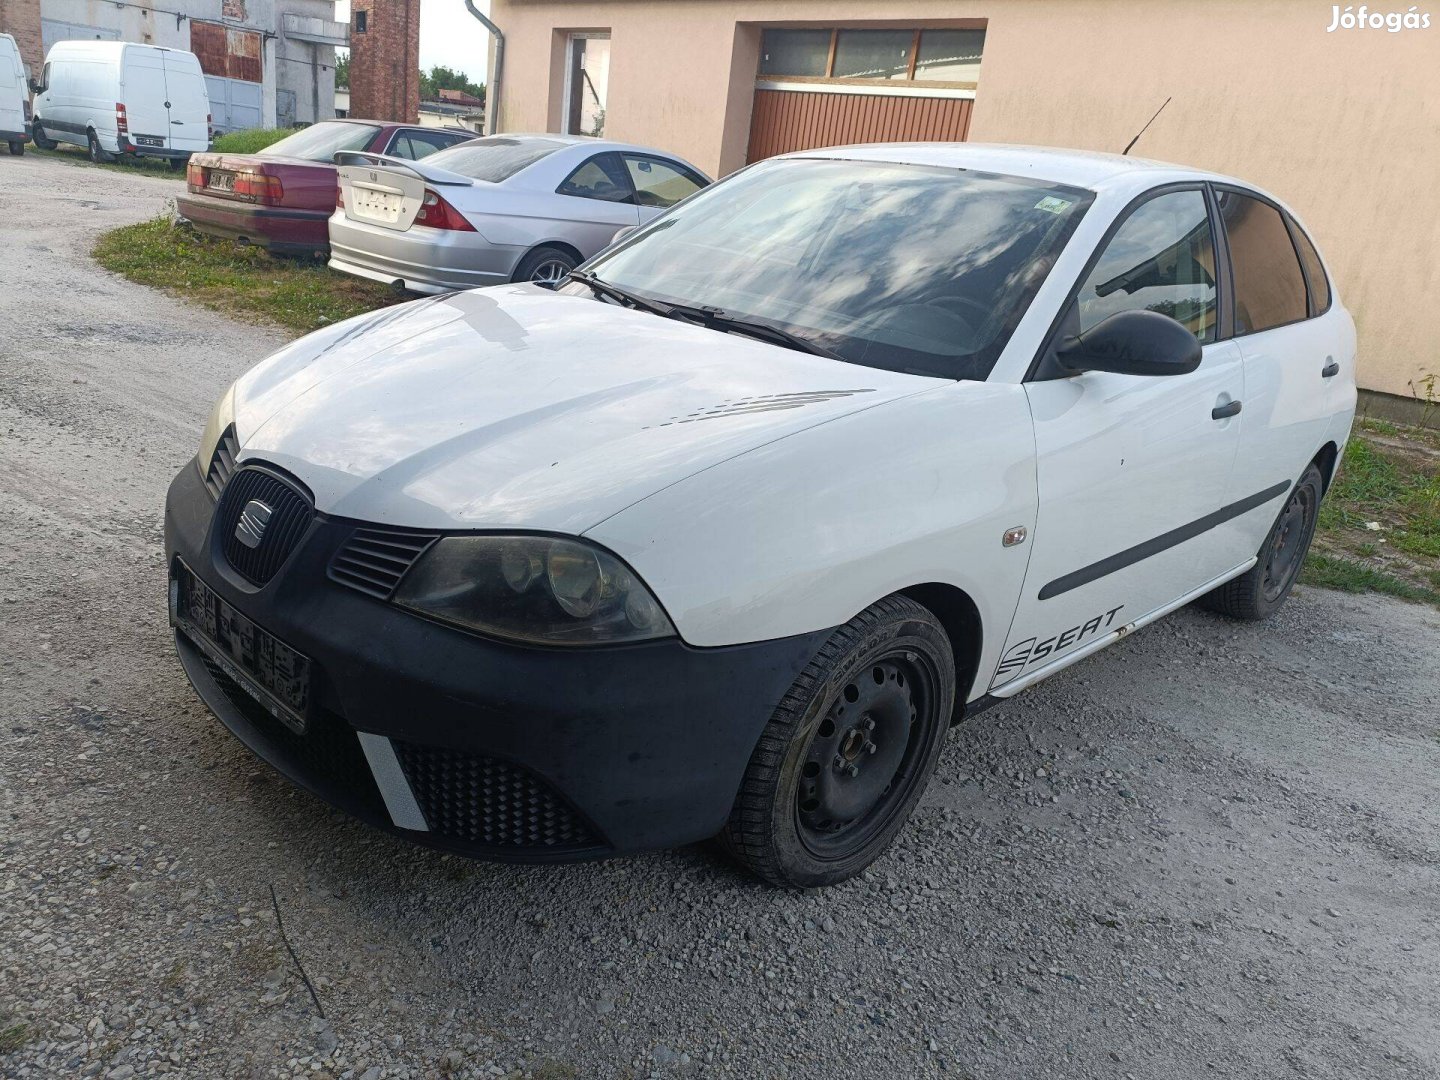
(492, 803)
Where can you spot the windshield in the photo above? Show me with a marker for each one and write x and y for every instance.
(495, 158)
(910, 268)
(321, 142)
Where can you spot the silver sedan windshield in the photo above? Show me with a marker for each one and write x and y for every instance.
(905, 267)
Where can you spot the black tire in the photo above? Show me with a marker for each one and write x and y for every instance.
(545, 266)
(37, 136)
(98, 154)
(177, 164)
(17, 148)
(1258, 593)
(789, 823)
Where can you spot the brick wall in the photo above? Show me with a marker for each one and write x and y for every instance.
(21, 18)
(384, 60)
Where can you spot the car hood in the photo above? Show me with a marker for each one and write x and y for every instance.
(518, 407)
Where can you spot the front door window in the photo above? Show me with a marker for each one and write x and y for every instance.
(587, 76)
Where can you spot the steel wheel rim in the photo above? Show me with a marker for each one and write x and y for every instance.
(1287, 545)
(867, 754)
(550, 273)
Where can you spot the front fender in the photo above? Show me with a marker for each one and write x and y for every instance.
(803, 533)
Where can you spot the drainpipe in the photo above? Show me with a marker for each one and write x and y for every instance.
(492, 92)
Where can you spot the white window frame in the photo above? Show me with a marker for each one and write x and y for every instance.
(570, 40)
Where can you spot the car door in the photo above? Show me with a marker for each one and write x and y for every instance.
(599, 202)
(146, 97)
(1132, 471)
(1292, 360)
(659, 183)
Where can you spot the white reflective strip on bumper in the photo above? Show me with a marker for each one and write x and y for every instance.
(390, 779)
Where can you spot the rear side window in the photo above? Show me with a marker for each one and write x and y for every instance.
(1269, 286)
(1162, 258)
(660, 183)
(495, 158)
(601, 177)
(1314, 270)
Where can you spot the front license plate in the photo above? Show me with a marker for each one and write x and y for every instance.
(267, 669)
(220, 181)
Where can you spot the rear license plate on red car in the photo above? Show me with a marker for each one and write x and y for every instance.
(271, 672)
(220, 181)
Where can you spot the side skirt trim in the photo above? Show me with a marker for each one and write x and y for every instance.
(1010, 689)
(390, 779)
(1163, 542)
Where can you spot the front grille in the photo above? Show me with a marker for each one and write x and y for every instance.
(328, 752)
(222, 462)
(289, 516)
(492, 803)
(374, 560)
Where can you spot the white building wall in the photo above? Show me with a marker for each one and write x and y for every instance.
(301, 72)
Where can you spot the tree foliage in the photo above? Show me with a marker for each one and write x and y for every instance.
(342, 71)
(441, 77)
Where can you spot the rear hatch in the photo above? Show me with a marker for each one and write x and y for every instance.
(388, 192)
(189, 103)
(145, 97)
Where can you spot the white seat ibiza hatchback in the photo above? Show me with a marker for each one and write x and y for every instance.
(721, 536)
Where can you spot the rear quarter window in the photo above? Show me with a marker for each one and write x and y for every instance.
(495, 158)
(1314, 270)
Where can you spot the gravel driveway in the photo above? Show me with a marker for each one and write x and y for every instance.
(1210, 851)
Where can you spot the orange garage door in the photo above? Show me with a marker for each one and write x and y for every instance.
(786, 120)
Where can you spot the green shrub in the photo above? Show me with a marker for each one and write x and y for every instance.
(249, 140)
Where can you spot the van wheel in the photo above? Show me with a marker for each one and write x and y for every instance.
(177, 164)
(1258, 593)
(848, 751)
(37, 136)
(17, 147)
(545, 266)
(98, 153)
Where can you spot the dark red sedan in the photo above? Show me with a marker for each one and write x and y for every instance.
(282, 197)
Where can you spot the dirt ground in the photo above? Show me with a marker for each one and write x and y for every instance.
(1212, 850)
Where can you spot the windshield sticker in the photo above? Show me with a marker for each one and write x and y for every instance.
(1051, 205)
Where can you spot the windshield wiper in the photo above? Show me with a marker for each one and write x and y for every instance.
(619, 295)
(719, 319)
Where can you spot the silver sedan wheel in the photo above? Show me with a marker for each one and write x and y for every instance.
(550, 273)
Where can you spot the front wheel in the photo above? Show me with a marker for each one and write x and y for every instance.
(545, 266)
(37, 136)
(848, 751)
(1258, 593)
(17, 147)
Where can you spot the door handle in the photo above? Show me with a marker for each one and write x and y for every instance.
(1331, 368)
(1224, 412)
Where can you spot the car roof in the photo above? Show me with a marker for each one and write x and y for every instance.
(1078, 168)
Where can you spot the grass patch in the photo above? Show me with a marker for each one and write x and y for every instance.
(236, 280)
(77, 155)
(248, 141)
(1379, 528)
(13, 1037)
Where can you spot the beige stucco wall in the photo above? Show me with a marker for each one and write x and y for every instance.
(1343, 126)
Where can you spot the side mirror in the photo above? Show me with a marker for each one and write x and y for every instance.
(36, 88)
(622, 233)
(1133, 343)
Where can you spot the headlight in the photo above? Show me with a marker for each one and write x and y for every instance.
(221, 417)
(538, 589)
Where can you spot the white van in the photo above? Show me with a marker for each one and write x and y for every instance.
(119, 97)
(14, 97)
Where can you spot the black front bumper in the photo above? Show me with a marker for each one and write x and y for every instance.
(510, 752)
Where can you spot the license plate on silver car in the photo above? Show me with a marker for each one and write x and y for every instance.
(375, 205)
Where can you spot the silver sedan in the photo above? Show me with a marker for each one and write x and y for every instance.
(498, 209)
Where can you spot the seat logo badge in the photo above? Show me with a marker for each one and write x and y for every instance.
(253, 519)
(1014, 536)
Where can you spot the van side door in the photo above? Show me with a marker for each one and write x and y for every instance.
(1133, 472)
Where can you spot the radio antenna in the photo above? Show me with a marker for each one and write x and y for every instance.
(1136, 139)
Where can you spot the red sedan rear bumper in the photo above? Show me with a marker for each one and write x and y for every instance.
(276, 228)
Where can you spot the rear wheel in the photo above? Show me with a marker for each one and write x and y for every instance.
(1258, 593)
(98, 154)
(177, 164)
(849, 750)
(37, 136)
(545, 266)
(17, 147)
